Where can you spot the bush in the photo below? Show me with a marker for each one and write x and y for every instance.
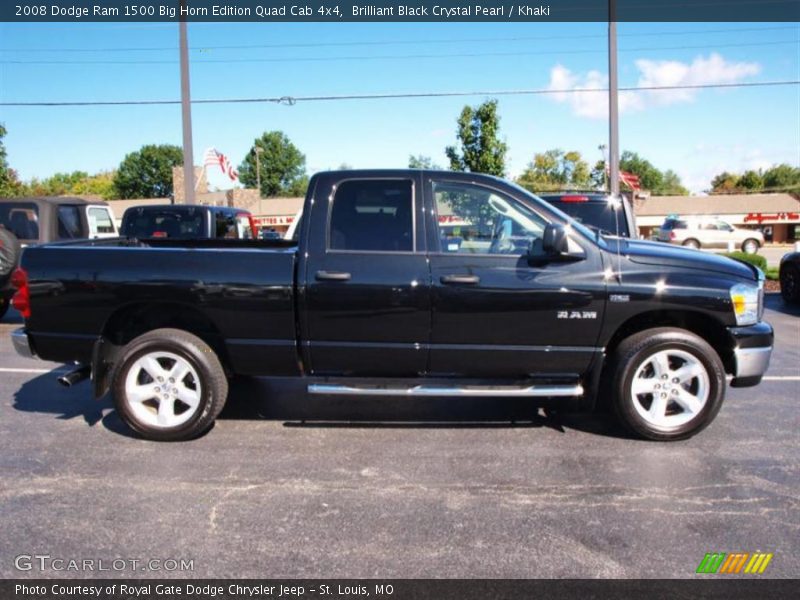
(753, 259)
(772, 273)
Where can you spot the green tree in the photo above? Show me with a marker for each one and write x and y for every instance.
(282, 166)
(556, 170)
(422, 162)
(480, 149)
(725, 183)
(10, 184)
(147, 173)
(751, 181)
(100, 184)
(782, 177)
(651, 178)
(671, 185)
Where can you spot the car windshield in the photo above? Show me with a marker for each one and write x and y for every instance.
(180, 223)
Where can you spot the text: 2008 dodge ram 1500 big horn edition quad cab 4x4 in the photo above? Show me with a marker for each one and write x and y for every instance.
(402, 283)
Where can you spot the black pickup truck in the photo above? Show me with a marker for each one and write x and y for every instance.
(402, 283)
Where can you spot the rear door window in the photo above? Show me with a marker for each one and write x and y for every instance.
(21, 219)
(69, 223)
(226, 226)
(374, 215)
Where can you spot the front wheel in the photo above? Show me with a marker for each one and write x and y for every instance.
(790, 284)
(169, 385)
(668, 384)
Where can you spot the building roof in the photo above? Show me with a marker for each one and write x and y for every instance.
(718, 204)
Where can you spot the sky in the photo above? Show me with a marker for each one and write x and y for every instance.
(697, 133)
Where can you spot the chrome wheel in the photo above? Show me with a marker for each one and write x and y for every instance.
(162, 390)
(670, 388)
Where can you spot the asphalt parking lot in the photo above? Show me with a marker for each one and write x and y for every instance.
(287, 486)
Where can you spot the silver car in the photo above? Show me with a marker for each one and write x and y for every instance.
(709, 233)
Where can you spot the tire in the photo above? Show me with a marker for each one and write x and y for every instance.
(686, 400)
(10, 250)
(750, 246)
(189, 408)
(691, 243)
(790, 284)
(4, 304)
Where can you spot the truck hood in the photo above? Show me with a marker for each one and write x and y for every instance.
(659, 253)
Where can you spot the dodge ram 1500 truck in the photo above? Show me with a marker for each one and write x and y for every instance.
(403, 283)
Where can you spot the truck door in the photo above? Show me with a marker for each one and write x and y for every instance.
(367, 280)
(494, 314)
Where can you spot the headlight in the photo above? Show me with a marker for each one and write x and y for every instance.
(746, 301)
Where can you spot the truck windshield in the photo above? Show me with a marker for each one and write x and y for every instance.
(21, 219)
(175, 223)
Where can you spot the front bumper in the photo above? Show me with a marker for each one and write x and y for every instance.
(752, 350)
(22, 343)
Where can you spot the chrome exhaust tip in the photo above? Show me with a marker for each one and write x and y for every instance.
(75, 376)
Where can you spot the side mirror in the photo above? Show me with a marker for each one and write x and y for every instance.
(554, 240)
(554, 245)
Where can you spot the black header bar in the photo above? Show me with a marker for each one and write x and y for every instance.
(413, 11)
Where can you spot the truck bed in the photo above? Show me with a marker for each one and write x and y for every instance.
(240, 291)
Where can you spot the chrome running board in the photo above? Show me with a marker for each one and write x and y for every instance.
(531, 391)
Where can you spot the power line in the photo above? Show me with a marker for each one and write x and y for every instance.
(387, 57)
(402, 42)
(292, 100)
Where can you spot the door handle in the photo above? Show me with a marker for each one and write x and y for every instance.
(332, 276)
(462, 279)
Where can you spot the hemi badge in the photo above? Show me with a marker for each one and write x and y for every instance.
(619, 298)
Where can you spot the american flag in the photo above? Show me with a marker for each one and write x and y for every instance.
(629, 179)
(214, 157)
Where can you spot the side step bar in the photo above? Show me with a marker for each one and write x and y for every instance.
(532, 391)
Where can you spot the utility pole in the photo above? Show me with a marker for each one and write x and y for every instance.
(259, 150)
(186, 111)
(613, 101)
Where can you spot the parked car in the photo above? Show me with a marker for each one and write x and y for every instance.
(27, 221)
(790, 277)
(608, 214)
(187, 221)
(709, 233)
(373, 300)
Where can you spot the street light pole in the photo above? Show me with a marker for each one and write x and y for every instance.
(613, 101)
(186, 112)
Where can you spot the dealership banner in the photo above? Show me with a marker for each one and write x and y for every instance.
(388, 10)
(713, 586)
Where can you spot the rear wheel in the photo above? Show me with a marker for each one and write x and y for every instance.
(169, 385)
(668, 384)
(692, 243)
(750, 246)
(790, 283)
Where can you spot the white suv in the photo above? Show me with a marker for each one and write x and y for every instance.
(709, 233)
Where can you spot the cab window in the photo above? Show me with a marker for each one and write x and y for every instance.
(373, 215)
(69, 223)
(476, 220)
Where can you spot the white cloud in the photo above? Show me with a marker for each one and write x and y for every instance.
(652, 73)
